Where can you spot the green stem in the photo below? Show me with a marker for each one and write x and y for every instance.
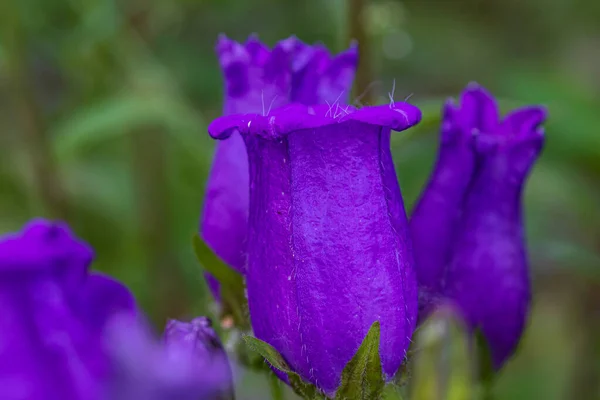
(358, 32)
(584, 376)
(275, 387)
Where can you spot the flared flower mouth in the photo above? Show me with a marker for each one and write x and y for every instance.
(256, 54)
(298, 72)
(477, 118)
(279, 122)
(520, 128)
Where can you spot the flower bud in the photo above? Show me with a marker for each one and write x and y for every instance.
(488, 274)
(467, 228)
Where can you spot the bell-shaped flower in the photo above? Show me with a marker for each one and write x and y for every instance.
(328, 245)
(52, 311)
(467, 228)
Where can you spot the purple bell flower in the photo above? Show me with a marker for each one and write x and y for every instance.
(50, 337)
(329, 251)
(258, 79)
(189, 363)
(68, 334)
(198, 342)
(468, 229)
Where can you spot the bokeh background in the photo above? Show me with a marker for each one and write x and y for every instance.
(104, 106)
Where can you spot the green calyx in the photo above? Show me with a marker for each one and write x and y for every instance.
(362, 377)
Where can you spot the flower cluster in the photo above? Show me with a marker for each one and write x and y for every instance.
(327, 249)
(303, 201)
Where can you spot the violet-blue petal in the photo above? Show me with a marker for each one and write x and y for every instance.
(325, 79)
(479, 109)
(44, 352)
(23, 367)
(103, 297)
(488, 274)
(225, 215)
(329, 250)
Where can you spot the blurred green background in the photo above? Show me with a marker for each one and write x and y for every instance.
(104, 106)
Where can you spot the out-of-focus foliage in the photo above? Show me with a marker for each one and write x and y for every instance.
(104, 106)
(443, 367)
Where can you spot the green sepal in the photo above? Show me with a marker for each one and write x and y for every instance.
(442, 367)
(233, 296)
(304, 389)
(362, 377)
(268, 352)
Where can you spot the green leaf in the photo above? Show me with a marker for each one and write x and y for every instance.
(442, 367)
(303, 389)
(213, 264)
(121, 115)
(268, 352)
(232, 283)
(362, 377)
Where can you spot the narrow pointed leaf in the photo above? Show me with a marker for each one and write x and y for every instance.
(232, 283)
(268, 352)
(362, 377)
(213, 264)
